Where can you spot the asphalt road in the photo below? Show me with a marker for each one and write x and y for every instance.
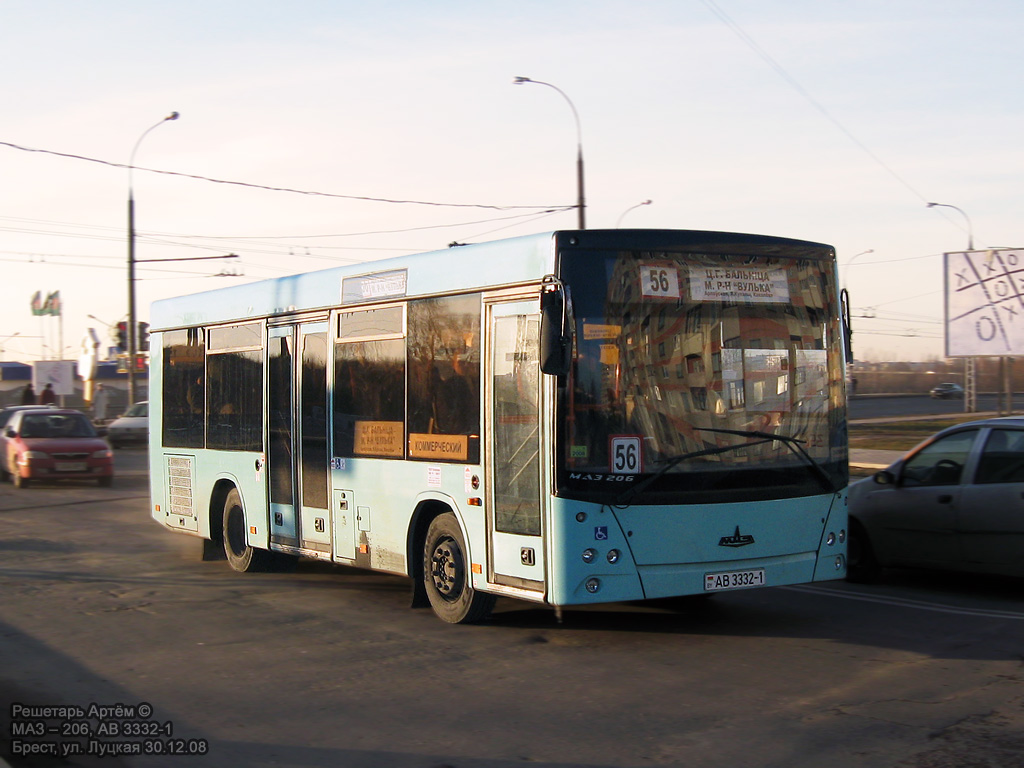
(886, 406)
(329, 667)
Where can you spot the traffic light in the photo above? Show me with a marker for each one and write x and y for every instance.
(143, 337)
(122, 335)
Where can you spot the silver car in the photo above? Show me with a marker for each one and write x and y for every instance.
(130, 427)
(954, 502)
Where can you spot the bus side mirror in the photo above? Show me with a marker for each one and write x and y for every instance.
(555, 333)
(844, 309)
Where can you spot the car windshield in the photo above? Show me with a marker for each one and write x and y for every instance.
(56, 425)
(138, 410)
(694, 354)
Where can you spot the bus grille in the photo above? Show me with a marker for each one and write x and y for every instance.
(179, 482)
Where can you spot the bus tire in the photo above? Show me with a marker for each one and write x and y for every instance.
(446, 575)
(241, 557)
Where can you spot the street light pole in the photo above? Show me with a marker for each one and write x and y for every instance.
(132, 330)
(970, 363)
(631, 208)
(848, 263)
(7, 338)
(970, 229)
(580, 203)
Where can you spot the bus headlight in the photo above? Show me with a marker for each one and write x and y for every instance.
(840, 562)
(830, 539)
(593, 585)
(842, 537)
(613, 556)
(589, 555)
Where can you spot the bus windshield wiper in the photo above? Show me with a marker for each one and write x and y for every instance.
(669, 463)
(793, 443)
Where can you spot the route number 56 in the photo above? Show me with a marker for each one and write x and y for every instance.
(658, 282)
(625, 455)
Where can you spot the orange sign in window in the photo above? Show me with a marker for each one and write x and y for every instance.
(379, 438)
(439, 447)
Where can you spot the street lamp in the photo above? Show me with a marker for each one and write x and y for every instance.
(631, 208)
(970, 380)
(862, 253)
(580, 205)
(7, 338)
(132, 330)
(970, 229)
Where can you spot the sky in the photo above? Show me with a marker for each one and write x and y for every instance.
(825, 120)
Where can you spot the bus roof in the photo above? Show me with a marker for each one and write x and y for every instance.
(502, 262)
(511, 261)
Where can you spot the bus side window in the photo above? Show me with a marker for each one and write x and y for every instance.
(369, 398)
(184, 401)
(444, 379)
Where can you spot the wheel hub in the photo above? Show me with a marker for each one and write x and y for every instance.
(446, 569)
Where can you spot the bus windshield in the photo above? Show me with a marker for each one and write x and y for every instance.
(686, 366)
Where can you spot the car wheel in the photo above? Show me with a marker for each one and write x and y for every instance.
(861, 564)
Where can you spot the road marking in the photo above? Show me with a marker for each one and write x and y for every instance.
(907, 603)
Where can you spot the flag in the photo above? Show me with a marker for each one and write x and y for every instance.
(52, 304)
(37, 303)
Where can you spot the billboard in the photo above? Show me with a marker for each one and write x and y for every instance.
(984, 298)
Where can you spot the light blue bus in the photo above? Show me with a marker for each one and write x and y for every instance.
(571, 418)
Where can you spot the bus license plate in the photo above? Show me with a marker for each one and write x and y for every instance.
(734, 580)
(71, 466)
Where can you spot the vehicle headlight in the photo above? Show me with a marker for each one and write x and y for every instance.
(593, 585)
(613, 556)
(830, 539)
(106, 453)
(589, 555)
(842, 537)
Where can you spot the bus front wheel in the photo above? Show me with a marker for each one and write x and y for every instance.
(241, 556)
(446, 575)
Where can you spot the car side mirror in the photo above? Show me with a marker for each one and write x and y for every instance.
(885, 477)
(9, 432)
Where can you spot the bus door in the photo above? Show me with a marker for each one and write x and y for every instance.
(514, 511)
(297, 417)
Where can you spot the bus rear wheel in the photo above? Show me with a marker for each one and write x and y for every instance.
(446, 575)
(241, 556)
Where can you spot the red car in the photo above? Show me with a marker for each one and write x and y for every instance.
(54, 444)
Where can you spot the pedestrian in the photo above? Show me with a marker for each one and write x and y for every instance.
(99, 404)
(46, 397)
(28, 396)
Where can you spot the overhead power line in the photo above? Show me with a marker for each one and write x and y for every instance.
(289, 190)
(795, 84)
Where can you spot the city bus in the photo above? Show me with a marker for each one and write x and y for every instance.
(568, 418)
